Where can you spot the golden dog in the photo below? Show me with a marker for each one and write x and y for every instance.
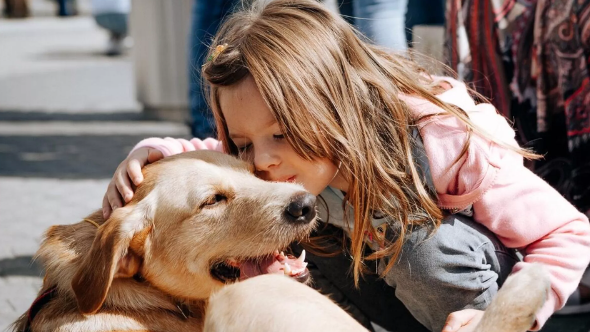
(198, 221)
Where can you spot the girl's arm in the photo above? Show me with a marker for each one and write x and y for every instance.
(527, 213)
(519, 207)
(170, 146)
(522, 209)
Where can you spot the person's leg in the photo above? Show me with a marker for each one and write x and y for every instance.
(8, 8)
(382, 21)
(459, 266)
(207, 17)
(427, 12)
(346, 10)
(16, 8)
(116, 24)
(62, 8)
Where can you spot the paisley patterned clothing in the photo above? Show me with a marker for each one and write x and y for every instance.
(530, 58)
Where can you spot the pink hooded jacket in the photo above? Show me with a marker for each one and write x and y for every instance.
(519, 207)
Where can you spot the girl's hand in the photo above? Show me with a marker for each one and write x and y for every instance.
(463, 321)
(120, 189)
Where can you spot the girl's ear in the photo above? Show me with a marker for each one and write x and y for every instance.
(109, 258)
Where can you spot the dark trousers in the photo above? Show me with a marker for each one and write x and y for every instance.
(207, 17)
(16, 8)
(426, 12)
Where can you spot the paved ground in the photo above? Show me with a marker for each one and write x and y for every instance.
(67, 118)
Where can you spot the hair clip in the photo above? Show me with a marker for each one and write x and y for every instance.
(218, 49)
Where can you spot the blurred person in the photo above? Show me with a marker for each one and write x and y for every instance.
(424, 12)
(531, 59)
(66, 8)
(16, 8)
(206, 19)
(113, 15)
(380, 20)
(389, 23)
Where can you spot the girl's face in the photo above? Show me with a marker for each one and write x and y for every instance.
(256, 133)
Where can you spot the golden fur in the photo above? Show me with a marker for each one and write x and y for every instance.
(183, 218)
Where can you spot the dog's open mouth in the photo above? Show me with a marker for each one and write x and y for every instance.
(232, 270)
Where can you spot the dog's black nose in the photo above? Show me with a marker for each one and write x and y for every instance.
(301, 209)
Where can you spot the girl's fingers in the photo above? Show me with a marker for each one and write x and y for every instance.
(458, 319)
(123, 186)
(106, 207)
(113, 196)
(154, 155)
(138, 159)
(452, 324)
(134, 171)
(120, 188)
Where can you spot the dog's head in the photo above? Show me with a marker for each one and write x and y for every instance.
(199, 220)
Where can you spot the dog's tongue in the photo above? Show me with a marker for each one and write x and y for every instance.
(278, 263)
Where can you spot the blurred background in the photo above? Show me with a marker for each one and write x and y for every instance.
(82, 81)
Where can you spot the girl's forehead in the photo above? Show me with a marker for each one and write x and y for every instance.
(244, 109)
(238, 90)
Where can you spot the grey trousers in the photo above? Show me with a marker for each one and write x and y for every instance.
(461, 265)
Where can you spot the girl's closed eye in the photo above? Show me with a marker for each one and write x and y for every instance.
(278, 137)
(244, 147)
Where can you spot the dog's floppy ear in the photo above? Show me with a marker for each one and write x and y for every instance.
(109, 257)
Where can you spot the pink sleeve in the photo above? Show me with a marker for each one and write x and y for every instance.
(526, 212)
(522, 209)
(171, 146)
(519, 207)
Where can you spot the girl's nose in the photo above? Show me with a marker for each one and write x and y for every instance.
(265, 160)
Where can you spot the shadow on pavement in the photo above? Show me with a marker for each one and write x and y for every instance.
(75, 117)
(64, 157)
(91, 155)
(20, 266)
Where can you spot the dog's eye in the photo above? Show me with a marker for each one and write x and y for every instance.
(215, 199)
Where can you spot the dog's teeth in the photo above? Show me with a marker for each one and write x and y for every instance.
(287, 269)
(232, 262)
(301, 257)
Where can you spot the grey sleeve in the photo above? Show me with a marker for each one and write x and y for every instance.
(459, 266)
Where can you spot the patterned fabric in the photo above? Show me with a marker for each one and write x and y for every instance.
(530, 58)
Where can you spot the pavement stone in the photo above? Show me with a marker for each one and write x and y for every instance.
(28, 206)
(57, 65)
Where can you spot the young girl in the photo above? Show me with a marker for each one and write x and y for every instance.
(393, 152)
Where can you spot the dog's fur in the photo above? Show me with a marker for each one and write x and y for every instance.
(514, 307)
(147, 268)
(278, 304)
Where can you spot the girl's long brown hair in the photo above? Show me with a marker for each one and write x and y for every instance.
(335, 96)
